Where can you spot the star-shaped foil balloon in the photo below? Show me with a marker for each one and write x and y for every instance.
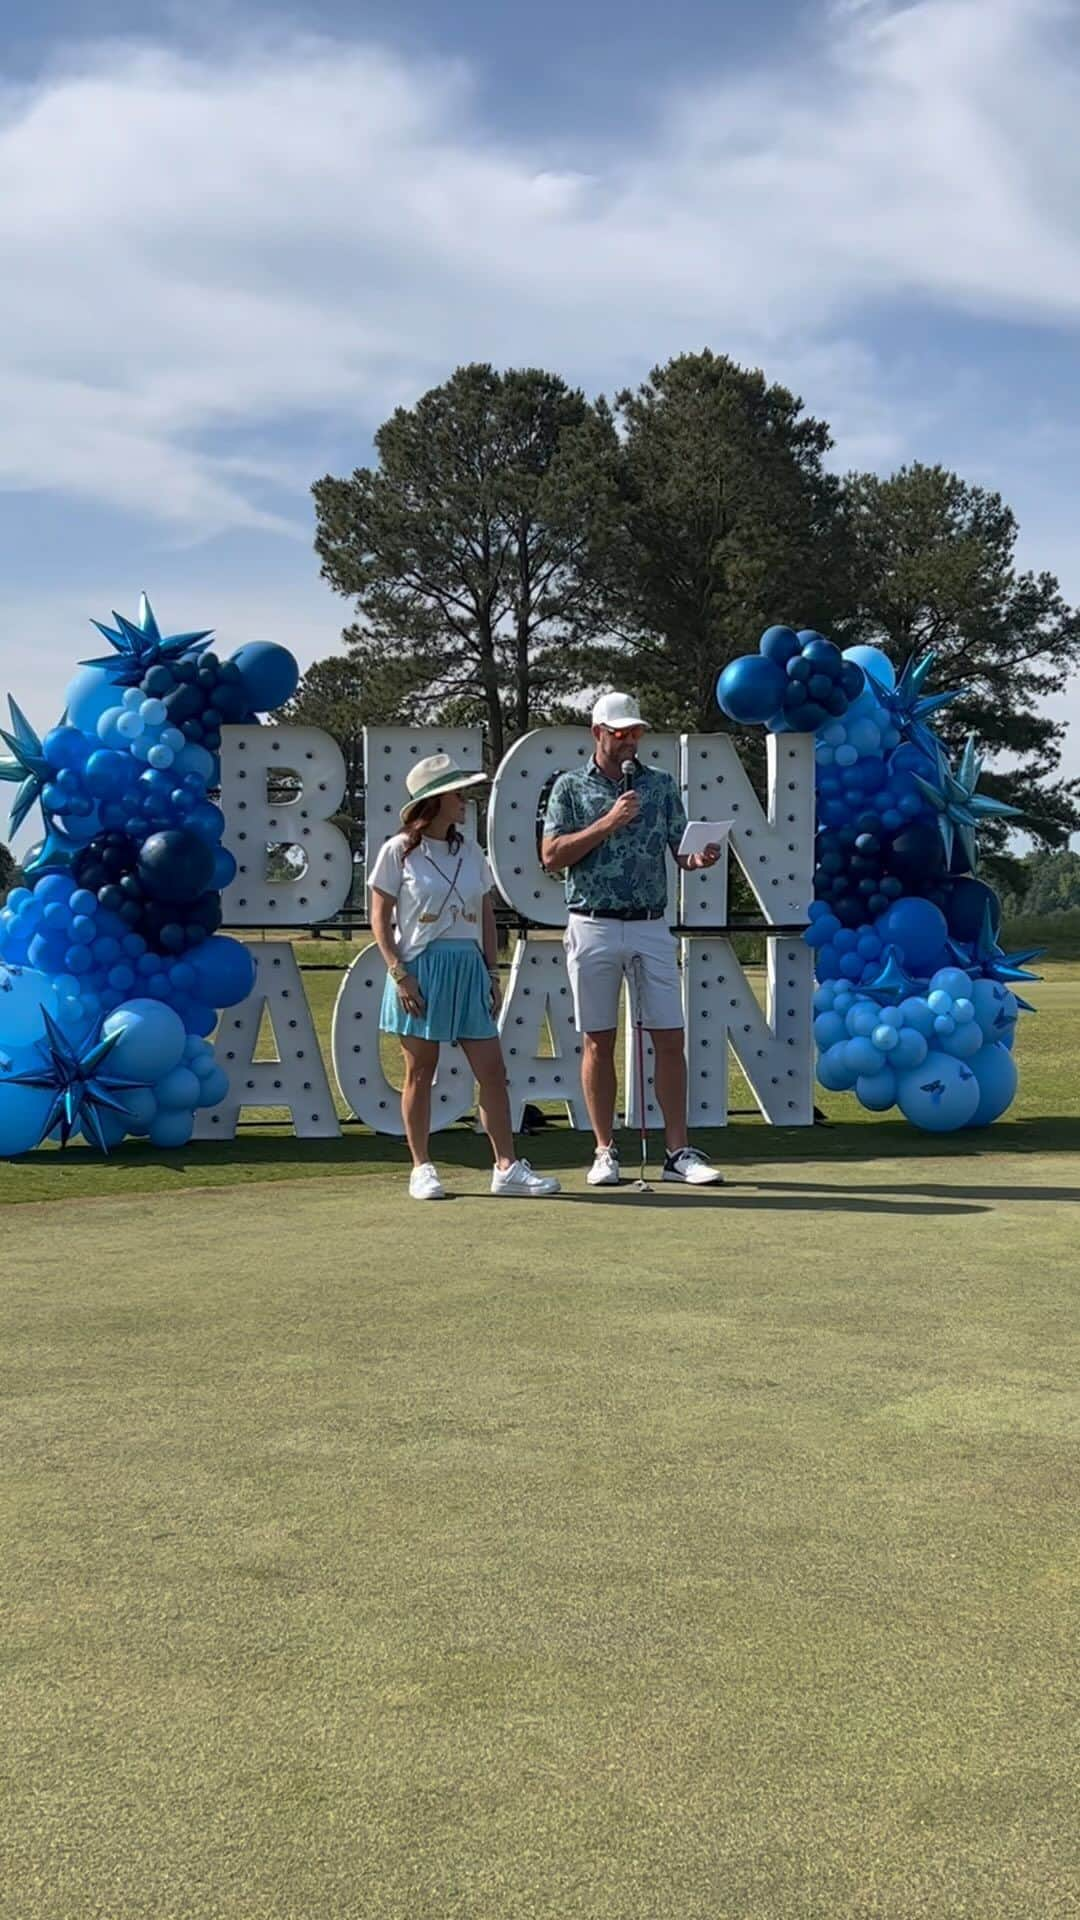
(893, 983)
(908, 707)
(960, 809)
(141, 645)
(984, 959)
(28, 765)
(81, 1094)
(54, 854)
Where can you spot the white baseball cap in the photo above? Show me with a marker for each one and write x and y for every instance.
(617, 710)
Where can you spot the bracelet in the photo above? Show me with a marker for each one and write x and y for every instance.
(399, 973)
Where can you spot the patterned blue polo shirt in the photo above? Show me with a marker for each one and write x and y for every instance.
(629, 869)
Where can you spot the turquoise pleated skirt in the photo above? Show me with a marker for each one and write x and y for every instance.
(454, 981)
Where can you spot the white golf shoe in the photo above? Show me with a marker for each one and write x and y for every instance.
(604, 1171)
(519, 1182)
(691, 1167)
(424, 1183)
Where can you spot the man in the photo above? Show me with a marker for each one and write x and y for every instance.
(612, 846)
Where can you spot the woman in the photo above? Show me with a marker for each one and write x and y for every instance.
(434, 924)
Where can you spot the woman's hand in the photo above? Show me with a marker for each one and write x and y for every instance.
(408, 991)
(496, 995)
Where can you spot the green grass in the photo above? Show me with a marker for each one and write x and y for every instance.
(707, 1555)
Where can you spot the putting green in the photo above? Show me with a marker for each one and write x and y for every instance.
(680, 1554)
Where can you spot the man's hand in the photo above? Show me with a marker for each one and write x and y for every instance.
(708, 857)
(626, 808)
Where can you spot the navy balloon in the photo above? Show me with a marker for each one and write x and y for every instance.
(175, 865)
(750, 689)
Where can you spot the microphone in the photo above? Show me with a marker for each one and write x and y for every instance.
(627, 771)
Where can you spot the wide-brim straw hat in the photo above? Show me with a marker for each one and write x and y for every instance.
(437, 774)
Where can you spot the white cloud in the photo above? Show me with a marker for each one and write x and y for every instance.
(198, 244)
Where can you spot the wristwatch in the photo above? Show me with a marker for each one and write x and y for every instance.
(399, 973)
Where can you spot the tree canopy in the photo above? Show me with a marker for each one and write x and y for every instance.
(464, 549)
(517, 548)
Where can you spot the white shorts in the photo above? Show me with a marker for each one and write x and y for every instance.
(601, 953)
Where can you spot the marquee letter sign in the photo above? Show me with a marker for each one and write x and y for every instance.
(773, 846)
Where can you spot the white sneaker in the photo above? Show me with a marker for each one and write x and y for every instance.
(424, 1183)
(691, 1167)
(604, 1171)
(520, 1182)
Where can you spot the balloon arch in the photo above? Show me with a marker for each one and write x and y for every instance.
(113, 971)
(914, 1006)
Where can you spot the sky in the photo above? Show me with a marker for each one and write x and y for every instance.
(232, 241)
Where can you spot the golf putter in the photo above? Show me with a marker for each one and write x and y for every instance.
(641, 1184)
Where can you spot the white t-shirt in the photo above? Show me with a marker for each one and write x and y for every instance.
(437, 895)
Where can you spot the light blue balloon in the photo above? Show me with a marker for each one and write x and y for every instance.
(23, 1110)
(88, 696)
(995, 1070)
(152, 1043)
(953, 981)
(877, 1091)
(939, 1096)
(916, 1013)
(964, 1041)
(829, 1029)
(833, 1070)
(862, 1019)
(862, 1056)
(885, 1038)
(996, 1009)
(23, 993)
(910, 1050)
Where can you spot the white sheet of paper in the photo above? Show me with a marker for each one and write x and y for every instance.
(704, 833)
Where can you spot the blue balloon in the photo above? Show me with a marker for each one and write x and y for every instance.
(66, 746)
(780, 644)
(108, 773)
(178, 1089)
(172, 1128)
(939, 1096)
(152, 1043)
(877, 1091)
(224, 970)
(213, 1087)
(224, 869)
(917, 927)
(269, 674)
(750, 689)
(995, 1070)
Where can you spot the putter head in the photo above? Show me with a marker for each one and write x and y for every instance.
(642, 1186)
